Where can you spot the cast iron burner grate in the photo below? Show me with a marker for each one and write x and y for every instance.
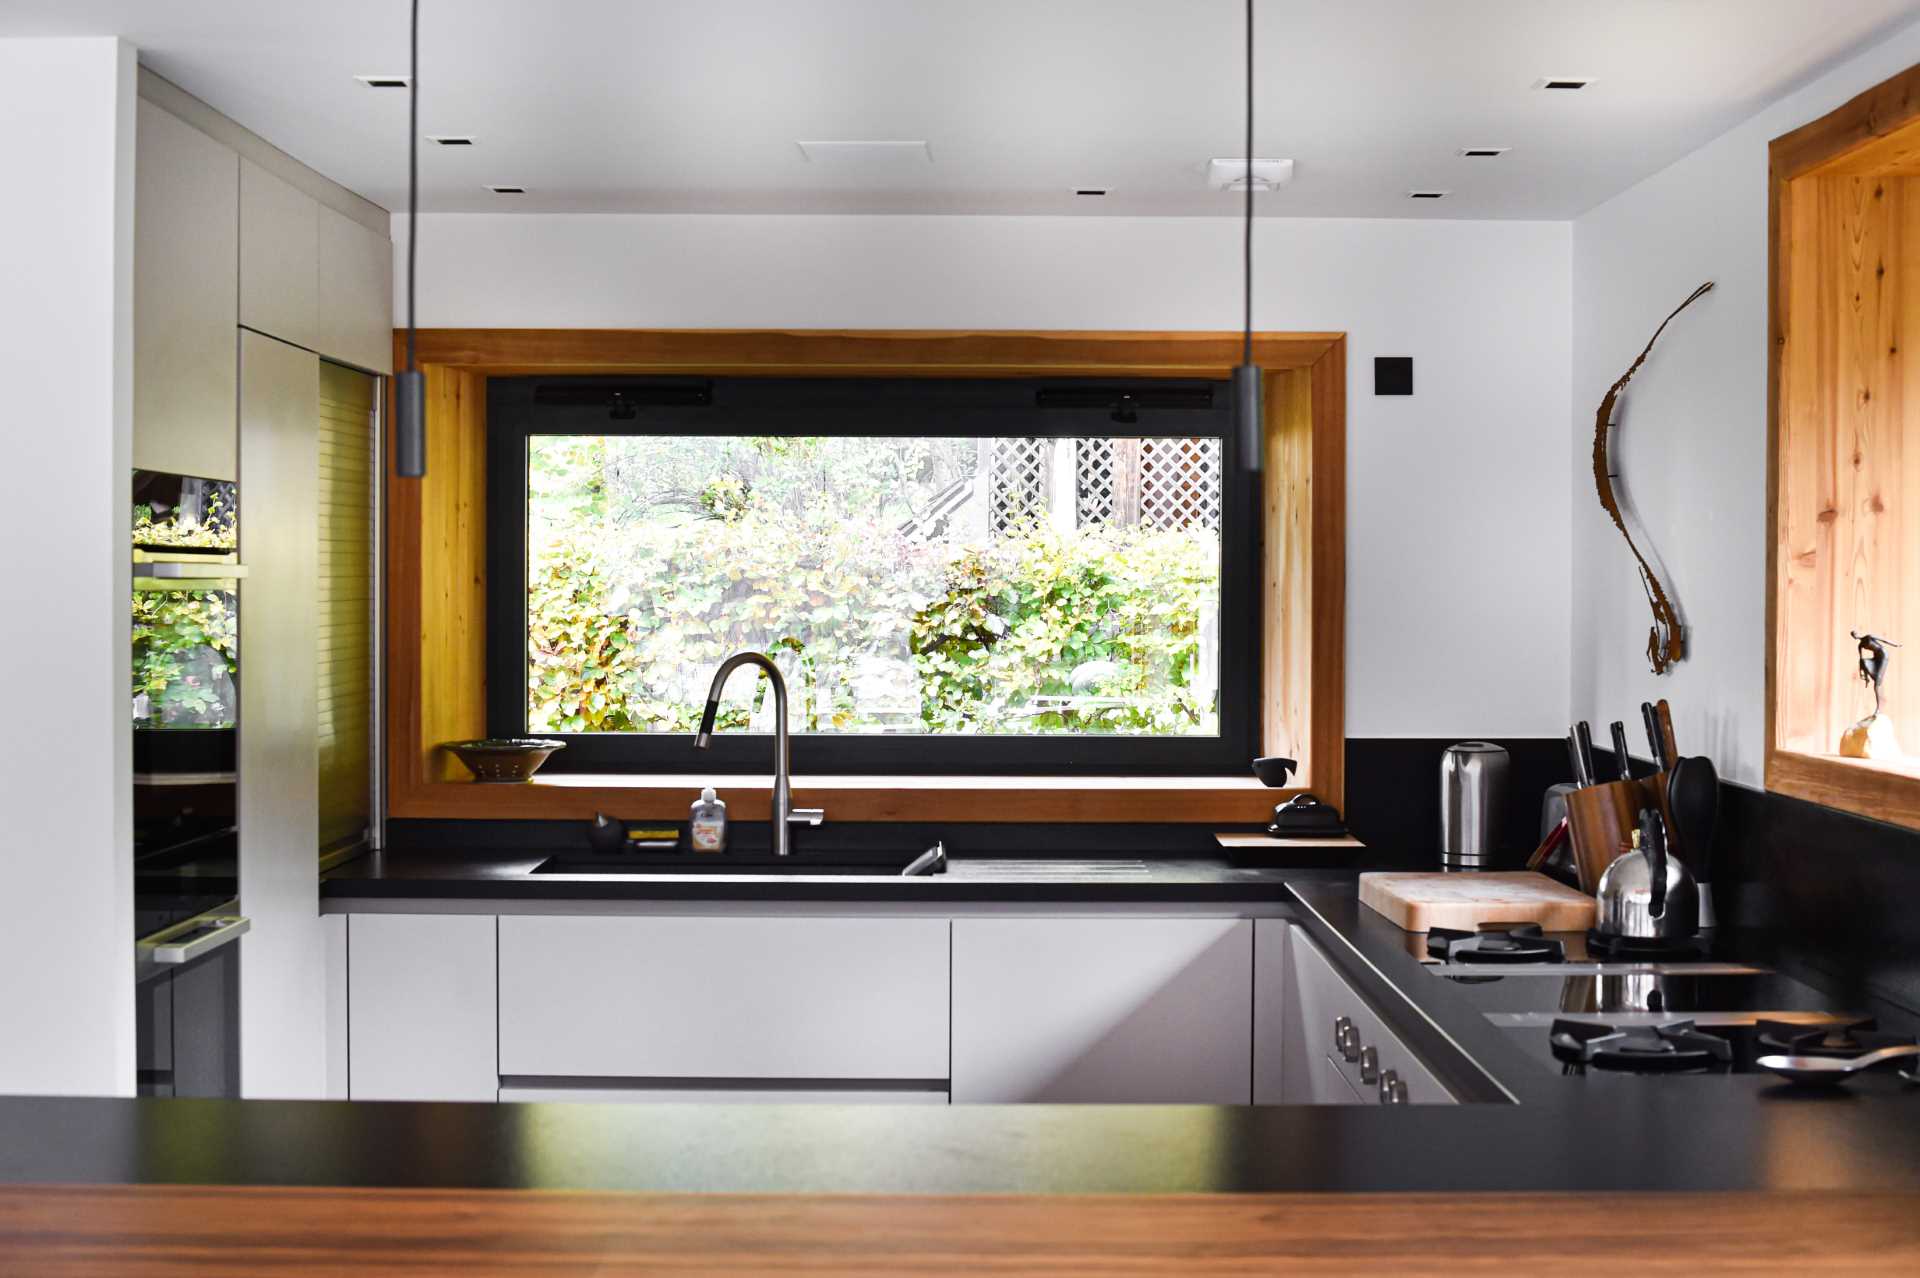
(1676, 1048)
(1841, 1041)
(1524, 943)
(1602, 946)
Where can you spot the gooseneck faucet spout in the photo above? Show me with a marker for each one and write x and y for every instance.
(784, 817)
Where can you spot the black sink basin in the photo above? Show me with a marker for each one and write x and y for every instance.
(884, 863)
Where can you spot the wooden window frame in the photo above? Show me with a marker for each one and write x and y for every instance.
(1875, 134)
(436, 579)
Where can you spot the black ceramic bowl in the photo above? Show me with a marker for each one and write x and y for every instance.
(504, 758)
(1274, 770)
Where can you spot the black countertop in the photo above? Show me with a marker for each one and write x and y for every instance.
(1594, 1133)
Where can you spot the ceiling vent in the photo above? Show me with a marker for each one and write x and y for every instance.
(445, 139)
(1563, 82)
(1484, 152)
(1233, 174)
(383, 81)
(1091, 190)
(508, 190)
(1428, 195)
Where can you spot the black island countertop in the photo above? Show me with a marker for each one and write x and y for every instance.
(1599, 1132)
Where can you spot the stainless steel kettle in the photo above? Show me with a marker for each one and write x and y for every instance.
(1647, 894)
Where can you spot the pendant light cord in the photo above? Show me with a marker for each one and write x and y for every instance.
(1246, 251)
(413, 171)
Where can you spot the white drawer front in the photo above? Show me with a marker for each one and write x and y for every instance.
(722, 1096)
(1335, 998)
(723, 997)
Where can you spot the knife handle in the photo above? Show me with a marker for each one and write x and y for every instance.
(1623, 760)
(1655, 742)
(1584, 735)
(1668, 744)
(1573, 758)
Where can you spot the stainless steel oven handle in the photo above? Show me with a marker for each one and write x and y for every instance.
(175, 570)
(232, 928)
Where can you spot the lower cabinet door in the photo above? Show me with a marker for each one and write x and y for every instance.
(786, 1000)
(421, 1007)
(1103, 1010)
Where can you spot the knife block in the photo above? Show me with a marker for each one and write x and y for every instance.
(1601, 820)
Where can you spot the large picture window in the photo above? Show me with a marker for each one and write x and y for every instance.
(955, 576)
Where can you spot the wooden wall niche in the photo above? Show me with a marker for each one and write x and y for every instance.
(1844, 459)
(436, 572)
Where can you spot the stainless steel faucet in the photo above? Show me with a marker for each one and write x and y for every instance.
(785, 816)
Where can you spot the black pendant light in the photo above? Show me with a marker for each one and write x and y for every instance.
(410, 435)
(1248, 416)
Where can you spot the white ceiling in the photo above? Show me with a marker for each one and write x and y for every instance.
(696, 105)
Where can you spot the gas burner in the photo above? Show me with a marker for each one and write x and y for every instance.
(1843, 1041)
(1524, 943)
(1602, 947)
(1673, 1048)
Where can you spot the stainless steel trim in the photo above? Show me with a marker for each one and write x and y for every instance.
(377, 659)
(160, 949)
(189, 570)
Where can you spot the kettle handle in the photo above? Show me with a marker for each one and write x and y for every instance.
(1653, 846)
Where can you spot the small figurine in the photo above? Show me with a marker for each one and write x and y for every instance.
(1872, 737)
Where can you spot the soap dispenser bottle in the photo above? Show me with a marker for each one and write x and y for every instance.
(709, 823)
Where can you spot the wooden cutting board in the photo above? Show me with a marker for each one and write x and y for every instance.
(1418, 902)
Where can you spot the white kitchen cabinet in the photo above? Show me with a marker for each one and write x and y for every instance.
(696, 998)
(356, 294)
(726, 1095)
(1271, 996)
(279, 258)
(1321, 996)
(1151, 1010)
(186, 232)
(421, 1007)
(283, 981)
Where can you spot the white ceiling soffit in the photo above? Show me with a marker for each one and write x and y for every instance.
(699, 105)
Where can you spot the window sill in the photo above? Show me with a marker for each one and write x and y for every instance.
(656, 797)
(1885, 790)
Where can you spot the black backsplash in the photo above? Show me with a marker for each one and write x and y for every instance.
(1393, 797)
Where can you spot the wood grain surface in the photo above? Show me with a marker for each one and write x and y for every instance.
(1418, 902)
(436, 570)
(171, 1230)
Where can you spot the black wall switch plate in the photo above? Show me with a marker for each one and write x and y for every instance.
(1393, 375)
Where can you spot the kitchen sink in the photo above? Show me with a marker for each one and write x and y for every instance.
(884, 862)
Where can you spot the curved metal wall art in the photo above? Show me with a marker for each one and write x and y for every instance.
(1667, 639)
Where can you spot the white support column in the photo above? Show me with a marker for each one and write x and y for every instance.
(66, 358)
(1063, 483)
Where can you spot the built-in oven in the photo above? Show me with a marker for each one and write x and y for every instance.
(185, 717)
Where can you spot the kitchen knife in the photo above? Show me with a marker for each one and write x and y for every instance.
(1583, 734)
(1621, 758)
(1580, 777)
(1669, 747)
(1655, 742)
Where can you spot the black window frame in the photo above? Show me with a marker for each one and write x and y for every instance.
(521, 407)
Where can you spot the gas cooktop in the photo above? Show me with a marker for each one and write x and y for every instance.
(1690, 1047)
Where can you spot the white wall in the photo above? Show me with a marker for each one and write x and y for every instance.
(66, 340)
(1457, 529)
(1693, 447)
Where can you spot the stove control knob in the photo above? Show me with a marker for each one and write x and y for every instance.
(1352, 1050)
(1342, 1031)
(1369, 1065)
(1389, 1080)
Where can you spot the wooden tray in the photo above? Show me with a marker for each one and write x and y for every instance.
(1469, 900)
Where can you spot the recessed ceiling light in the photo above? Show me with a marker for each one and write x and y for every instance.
(383, 81)
(1563, 82)
(1484, 152)
(1233, 174)
(1091, 190)
(508, 190)
(1428, 195)
(445, 139)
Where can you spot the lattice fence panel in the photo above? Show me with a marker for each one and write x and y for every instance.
(1181, 483)
(1017, 483)
(1094, 466)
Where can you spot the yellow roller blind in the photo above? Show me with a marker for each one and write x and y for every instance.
(345, 634)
